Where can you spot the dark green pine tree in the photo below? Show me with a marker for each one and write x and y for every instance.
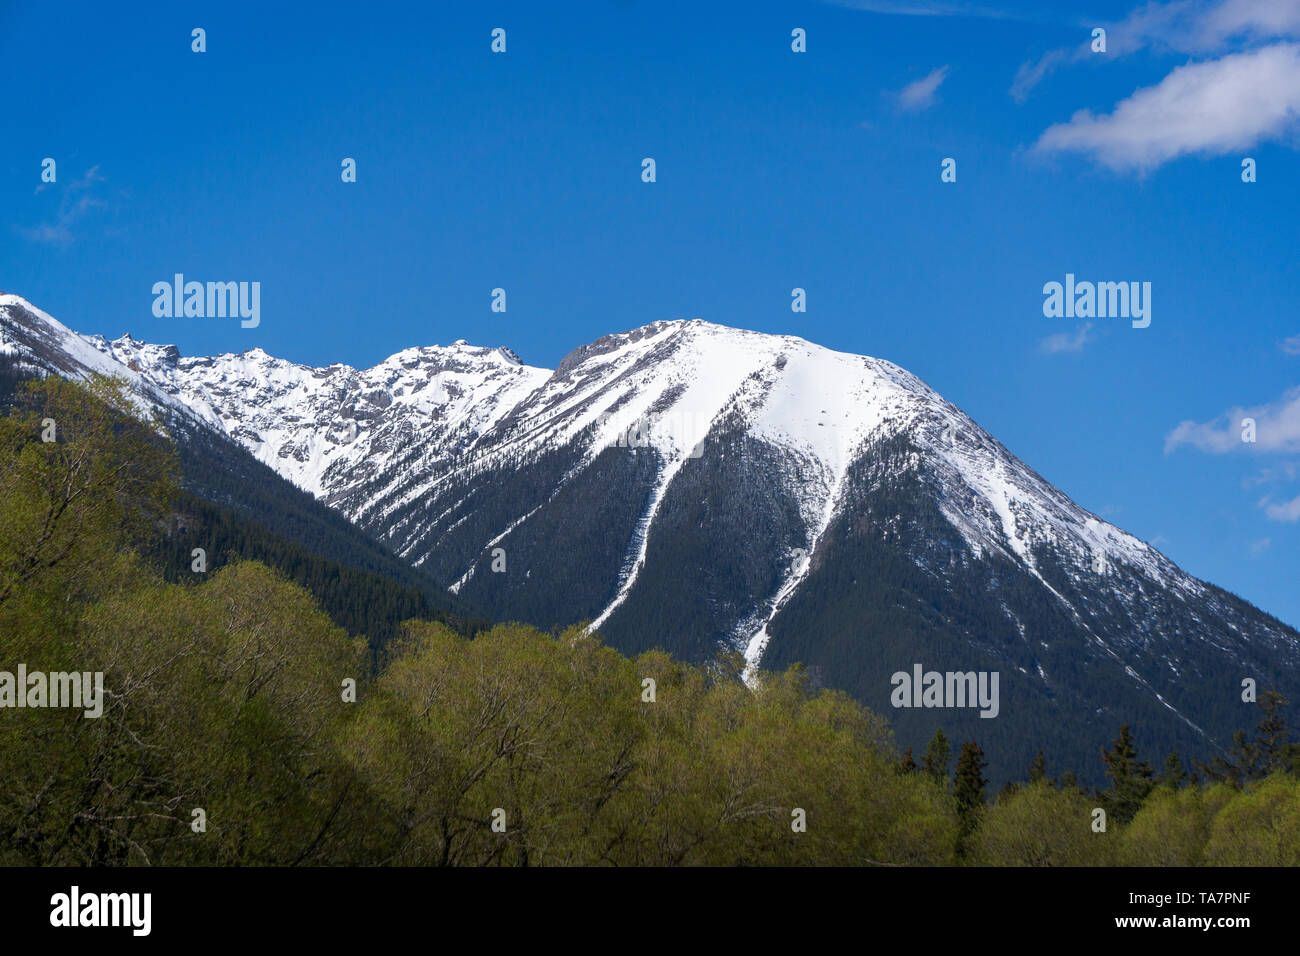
(968, 790)
(908, 763)
(1273, 745)
(1174, 776)
(1038, 769)
(1130, 778)
(1239, 767)
(936, 757)
(1271, 750)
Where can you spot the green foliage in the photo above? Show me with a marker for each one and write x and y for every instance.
(225, 703)
(1174, 776)
(1131, 778)
(908, 763)
(1173, 826)
(891, 583)
(936, 757)
(968, 790)
(1259, 827)
(68, 502)
(1038, 769)
(364, 603)
(555, 733)
(1271, 751)
(229, 504)
(229, 694)
(1040, 825)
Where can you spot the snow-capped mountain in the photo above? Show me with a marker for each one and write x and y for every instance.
(691, 486)
(36, 340)
(334, 429)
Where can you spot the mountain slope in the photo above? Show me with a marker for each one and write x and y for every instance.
(253, 511)
(692, 486)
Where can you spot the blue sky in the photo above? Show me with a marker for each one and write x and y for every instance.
(775, 170)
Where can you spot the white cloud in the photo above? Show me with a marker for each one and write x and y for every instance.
(1203, 26)
(1193, 27)
(1248, 20)
(1286, 471)
(1291, 346)
(1259, 547)
(1067, 341)
(1277, 429)
(920, 95)
(76, 201)
(1031, 74)
(1210, 109)
(1286, 511)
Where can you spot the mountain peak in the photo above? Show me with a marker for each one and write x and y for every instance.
(685, 484)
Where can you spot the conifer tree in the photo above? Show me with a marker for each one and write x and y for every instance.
(1174, 776)
(1038, 769)
(1273, 744)
(1271, 750)
(936, 756)
(968, 788)
(1131, 778)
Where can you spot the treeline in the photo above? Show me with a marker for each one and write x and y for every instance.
(218, 469)
(363, 603)
(241, 725)
(1241, 809)
(235, 508)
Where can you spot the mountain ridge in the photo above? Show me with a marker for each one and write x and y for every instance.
(695, 486)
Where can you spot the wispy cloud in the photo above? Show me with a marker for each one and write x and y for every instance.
(920, 95)
(1283, 511)
(1205, 26)
(1210, 109)
(76, 201)
(1067, 341)
(1190, 27)
(1259, 547)
(1291, 346)
(1031, 74)
(1277, 429)
(1286, 471)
